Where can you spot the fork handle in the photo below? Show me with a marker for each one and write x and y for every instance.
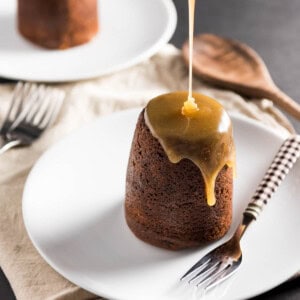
(8, 145)
(283, 162)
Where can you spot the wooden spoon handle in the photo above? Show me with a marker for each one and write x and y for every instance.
(284, 102)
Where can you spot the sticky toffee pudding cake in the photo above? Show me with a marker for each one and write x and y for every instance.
(58, 24)
(180, 173)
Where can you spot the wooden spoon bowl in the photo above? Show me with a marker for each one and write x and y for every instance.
(230, 64)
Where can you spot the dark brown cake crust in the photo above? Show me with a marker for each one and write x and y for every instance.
(165, 203)
(58, 24)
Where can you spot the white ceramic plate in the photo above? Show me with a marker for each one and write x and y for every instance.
(73, 211)
(130, 31)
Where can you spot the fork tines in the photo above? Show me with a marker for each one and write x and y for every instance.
(209, 271)
(33, 109)
(39, 107)
(20, 94)
(196, 267)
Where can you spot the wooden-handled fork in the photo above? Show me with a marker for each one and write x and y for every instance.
(223, 261)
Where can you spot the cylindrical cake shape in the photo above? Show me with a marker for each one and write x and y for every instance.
(166, 203)
(58, 24)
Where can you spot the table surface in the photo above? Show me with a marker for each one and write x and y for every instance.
(272, 28)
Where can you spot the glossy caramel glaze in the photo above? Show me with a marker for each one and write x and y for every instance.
(204, 137)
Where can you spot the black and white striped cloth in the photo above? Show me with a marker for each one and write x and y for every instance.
(283, 162)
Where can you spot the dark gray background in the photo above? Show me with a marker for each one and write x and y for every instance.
(272, 28)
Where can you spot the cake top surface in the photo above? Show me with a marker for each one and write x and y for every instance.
(205, 136)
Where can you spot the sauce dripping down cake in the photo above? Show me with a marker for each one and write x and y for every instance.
(180, 169)
(180, 173)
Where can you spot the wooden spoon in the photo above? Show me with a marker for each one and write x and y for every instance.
(233, 65)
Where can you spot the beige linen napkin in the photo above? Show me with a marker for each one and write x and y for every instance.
(29, 275)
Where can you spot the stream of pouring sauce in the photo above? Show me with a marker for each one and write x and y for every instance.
(193, 126)
(189, 106)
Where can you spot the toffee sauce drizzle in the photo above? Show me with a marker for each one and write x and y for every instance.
(204, 137)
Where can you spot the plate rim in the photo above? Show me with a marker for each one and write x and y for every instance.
(164, 38)
(279, 135)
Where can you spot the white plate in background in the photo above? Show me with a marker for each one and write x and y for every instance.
(130, 31)
(73, 212)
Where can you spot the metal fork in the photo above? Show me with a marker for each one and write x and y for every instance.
(224, 261)
(33, 109)
(18, 101)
